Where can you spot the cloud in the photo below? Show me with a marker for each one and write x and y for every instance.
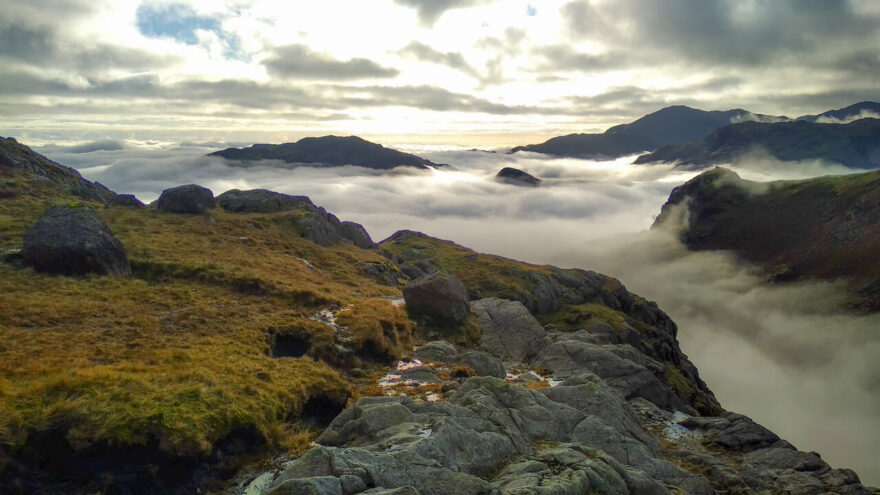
(300, 62)
(751, 341)
(425, 53)
(431, 10)
(40, 46)
(180, 22)
(725, 32)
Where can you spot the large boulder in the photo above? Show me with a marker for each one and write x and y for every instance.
(73, 240)
(261, 201)
(440, 295)
(186, 199)
(509, 330)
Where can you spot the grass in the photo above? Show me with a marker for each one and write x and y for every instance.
(378, 328)
(179, 353)
(571, 318)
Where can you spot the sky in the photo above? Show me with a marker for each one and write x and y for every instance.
(450, 72)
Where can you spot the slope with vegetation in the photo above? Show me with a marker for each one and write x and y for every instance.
(241, 333)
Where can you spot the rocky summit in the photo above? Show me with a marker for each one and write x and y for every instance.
(266, 347)
(517, 177)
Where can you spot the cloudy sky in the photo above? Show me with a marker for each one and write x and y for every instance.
(467, 72)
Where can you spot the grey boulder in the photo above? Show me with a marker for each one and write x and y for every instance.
(186, 199)
(73, 240)
(509, 331)
(440, 295)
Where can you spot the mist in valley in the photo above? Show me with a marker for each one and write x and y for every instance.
(784, 355)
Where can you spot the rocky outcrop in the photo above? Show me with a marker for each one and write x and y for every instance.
(517, 177)
(73, 240)
(127, 200)
(191, 198)
(440, 295)
(36, 173)
(261, 201)
(334, 151)
(577, 435)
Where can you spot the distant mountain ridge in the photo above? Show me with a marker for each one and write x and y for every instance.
(332, 151)
(670, 125)
(860, 110)
(855, 145)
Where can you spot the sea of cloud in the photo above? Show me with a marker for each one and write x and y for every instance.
(782, 354)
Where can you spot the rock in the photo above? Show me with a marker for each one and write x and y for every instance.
(319, 227)
(517, 177)
(127, 200)
(186, 199)
(438, 351)
(73, 240)
(509, 330)
(781, 458)
(423, 374)
(482, 363)
(440, 295)
(261, 201)
(356, 233)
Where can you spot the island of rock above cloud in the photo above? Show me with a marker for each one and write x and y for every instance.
(329, 151)
(517, 177)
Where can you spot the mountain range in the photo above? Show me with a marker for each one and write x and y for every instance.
(253, 343)
(695, 138)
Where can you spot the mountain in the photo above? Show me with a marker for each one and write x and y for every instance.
(24, 172)
(263, 330)
(861, 110)
(855, 145)
(328, 151)
(826, 228)
(670, 125)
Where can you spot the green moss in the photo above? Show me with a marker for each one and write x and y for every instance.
(574, 317)
(677, 381)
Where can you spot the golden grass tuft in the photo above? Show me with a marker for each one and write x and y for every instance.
(379, 329)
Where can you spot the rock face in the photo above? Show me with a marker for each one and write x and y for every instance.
(190, 198)
(38, 173)
(855, 145)
(517, 177)
(440, 295)
(334, 151)
(823, 228)
(668, 126)
(73, 241)
(128, 200)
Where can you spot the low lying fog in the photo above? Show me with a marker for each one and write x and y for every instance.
(782, 355)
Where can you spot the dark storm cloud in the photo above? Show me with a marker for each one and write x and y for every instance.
(40, 46)
(300, 62)
(723, 32)
(431, 10)
(251, 95)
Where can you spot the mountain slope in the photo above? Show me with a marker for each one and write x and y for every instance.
(239, 339)
(328, 151)
(670, 125)
(824, 228)
(855, 145)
